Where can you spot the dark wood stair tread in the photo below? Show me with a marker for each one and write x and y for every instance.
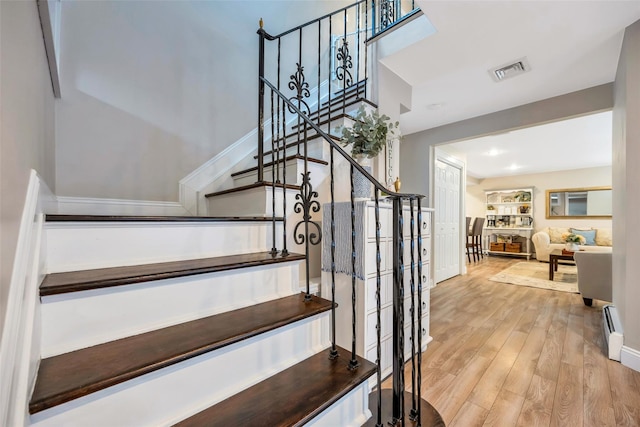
(72, 375)
(290, 398)
(75, 281)
(250, 187)
(150, 218)
(293, 157)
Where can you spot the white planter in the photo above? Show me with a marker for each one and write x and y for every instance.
(361, 185)
(571, 246)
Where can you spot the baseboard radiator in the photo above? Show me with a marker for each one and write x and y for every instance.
(612, 331)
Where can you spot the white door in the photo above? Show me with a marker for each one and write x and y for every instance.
(447, 220)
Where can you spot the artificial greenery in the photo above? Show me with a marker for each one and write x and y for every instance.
(369, 133)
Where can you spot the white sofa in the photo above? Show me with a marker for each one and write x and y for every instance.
(549, 238)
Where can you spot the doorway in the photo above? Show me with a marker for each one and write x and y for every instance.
(448, 202)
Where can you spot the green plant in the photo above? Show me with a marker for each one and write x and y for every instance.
(369, 133)
(573, 238)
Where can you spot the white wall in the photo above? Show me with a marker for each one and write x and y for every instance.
(26, 123)
(590, 177)
(626, 197)
(152, 90)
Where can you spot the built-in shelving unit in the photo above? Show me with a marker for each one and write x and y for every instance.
(509, 222)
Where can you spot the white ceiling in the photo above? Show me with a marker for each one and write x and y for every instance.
(570, 45)
(570, 144)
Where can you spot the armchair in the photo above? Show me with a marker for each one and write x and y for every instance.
(594, 275)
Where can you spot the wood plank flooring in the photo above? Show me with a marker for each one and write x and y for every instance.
(506, 355)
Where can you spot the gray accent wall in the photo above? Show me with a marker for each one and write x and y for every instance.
(26, 124)
(415, 151)
(626, 187)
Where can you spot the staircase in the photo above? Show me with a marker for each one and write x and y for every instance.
(184, 333)
(200, 321)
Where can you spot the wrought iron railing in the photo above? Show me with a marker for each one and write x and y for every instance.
(333, 49)
(307, 202)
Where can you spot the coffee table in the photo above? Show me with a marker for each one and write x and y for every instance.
(554, 256)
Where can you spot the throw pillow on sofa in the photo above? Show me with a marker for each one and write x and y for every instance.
(589, 236)
(604, 237)
(555, 234)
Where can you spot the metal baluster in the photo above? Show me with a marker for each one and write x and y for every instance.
(274, 250)
(378, 316)
(366, 50)
(413, 414)
(299, 104)
(319, 68)
(373, 17)
(284, 140)
(353, 363)
(329, 85)
(261, 104)
(284, 252)
(308, 195)
(334, 352)
(398, 314)
(419, 378)
(358, 50)
(344, 81)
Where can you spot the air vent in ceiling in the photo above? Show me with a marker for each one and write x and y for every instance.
(512, 69)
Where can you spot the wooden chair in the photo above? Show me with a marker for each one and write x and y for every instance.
(474, 240)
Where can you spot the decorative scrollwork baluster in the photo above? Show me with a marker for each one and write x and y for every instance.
(346, 64)
(299, 84)
(305, 205)
(387, 13)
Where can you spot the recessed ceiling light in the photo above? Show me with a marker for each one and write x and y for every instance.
(512, 69)
(514, 167)
(494, 152)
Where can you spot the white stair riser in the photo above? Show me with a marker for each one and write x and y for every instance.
(251, 202)
(71, 247)
(350, 411)
(179, 391)
(82, 319)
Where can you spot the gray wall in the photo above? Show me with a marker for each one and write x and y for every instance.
(626, 197)
(26, 123)
(151, 90)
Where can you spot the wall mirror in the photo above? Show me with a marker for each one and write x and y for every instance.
(594, 202)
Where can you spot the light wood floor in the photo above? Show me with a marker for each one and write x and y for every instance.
(506, 355)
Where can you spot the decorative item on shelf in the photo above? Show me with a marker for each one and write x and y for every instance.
(524, 209)
(572, 241)
(367, 138)
(522, 196)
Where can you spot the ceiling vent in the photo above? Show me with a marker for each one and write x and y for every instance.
(507, 71)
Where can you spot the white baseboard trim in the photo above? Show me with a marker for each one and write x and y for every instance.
(97, 206)
(20, 345)
(630, 358)
(219, 167)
